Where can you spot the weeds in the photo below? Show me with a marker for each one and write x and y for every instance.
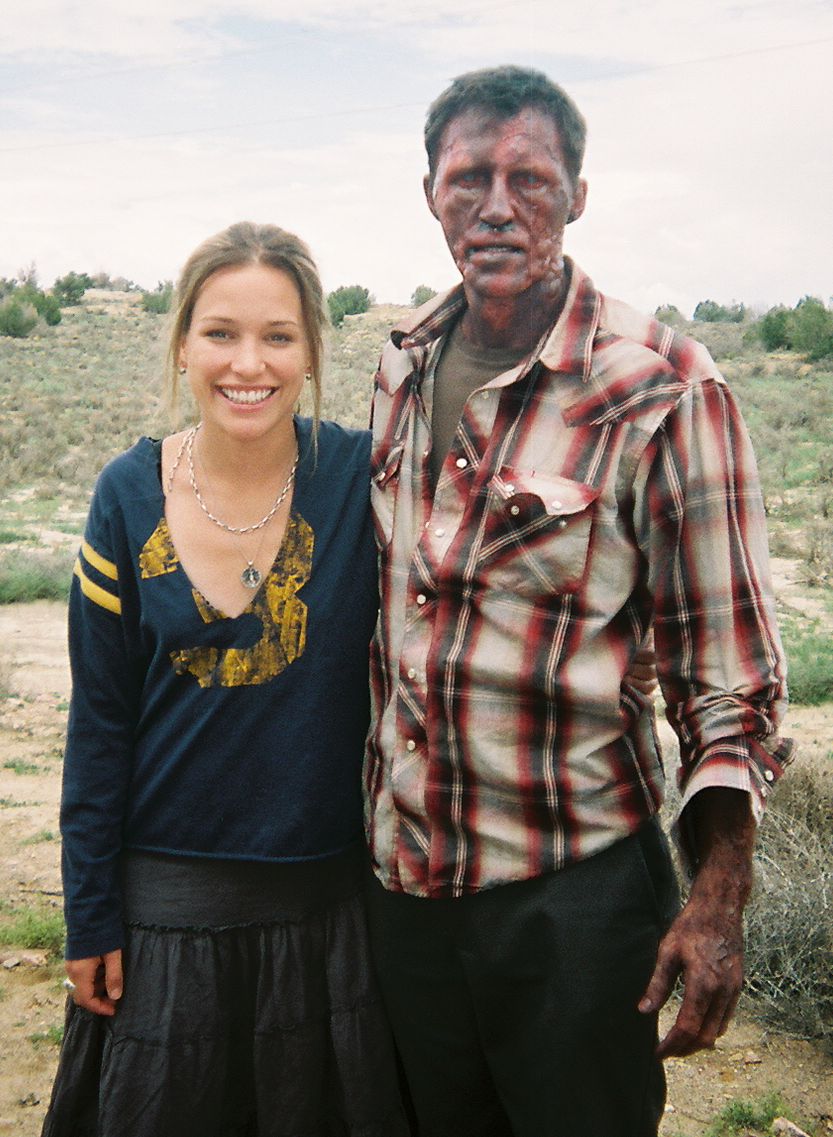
(33, 928)
(21, 768)
(41, 577)
(52, 1036)
(789, 919)
(740, 1116)
(809, 650)
(40, 838)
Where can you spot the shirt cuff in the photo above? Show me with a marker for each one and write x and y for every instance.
(741, 762)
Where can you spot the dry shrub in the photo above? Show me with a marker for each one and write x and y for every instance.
(789, 920)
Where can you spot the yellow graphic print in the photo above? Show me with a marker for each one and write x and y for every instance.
(282, 615)
(158, 556)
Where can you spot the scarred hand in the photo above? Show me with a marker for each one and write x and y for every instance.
(704, 944)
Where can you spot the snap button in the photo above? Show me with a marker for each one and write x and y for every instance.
(515, 510)
(461, 463)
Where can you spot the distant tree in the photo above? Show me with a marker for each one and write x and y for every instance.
(421, 295)
(709, 311)
(669, 314)
(28, 277)
(774, 328)
(160, 299)
(349, 300)
(812, 328)
(70, 289)
(17, 318)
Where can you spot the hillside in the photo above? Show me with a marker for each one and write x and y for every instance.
(81, 392)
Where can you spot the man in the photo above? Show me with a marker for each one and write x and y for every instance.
(554, 476)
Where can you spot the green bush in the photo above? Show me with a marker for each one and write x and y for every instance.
(349, 300)
(812, 328)
(17, 318)
(712, 312)
(738, 1117)
(48, 307)
(809, 651)
(159, 301)
(69, 290)
(421, 295)
(773, 328)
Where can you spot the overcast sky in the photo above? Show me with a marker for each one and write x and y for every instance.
(130, 131)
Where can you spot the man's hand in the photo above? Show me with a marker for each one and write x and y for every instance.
(705, 942)
(97, 982)
(642, 673)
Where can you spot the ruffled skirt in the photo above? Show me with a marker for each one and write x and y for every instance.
(255, 1029)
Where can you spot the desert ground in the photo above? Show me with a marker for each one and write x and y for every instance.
(748, 1063)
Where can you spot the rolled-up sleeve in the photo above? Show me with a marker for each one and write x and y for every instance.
(700, 525)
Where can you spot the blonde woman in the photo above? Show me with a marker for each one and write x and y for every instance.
(222, 606)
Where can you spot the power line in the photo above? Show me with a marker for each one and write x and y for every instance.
(632, 72)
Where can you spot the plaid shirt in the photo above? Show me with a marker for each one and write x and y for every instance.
(603, 486)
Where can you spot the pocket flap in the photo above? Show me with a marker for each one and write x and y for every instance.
(558, 496)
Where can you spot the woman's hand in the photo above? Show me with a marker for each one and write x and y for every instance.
(97, 982)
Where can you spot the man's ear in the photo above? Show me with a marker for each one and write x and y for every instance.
(579, 201)
(429, 193)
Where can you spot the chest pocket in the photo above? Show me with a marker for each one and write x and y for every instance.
(537, 533)
(384, 485)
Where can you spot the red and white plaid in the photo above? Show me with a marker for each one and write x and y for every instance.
(603, 486)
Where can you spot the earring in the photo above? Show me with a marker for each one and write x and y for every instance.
(183, 370)
(308, 376)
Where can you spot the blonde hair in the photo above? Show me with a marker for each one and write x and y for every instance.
(241, 244)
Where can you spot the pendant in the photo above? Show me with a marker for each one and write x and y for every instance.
(250, 577)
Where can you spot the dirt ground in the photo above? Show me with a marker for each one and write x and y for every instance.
(747, 1063)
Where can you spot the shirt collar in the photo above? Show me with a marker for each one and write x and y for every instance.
(567, 347)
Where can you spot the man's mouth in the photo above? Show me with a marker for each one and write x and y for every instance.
(493, 250)
(246, 395)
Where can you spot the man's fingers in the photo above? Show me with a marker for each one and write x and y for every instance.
(660, 985)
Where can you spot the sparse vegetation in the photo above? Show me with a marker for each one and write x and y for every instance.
(17, 318)
(33, 928)
(52, 1036)
(789, 920)
(739, 1117)
(45, 576)
(160, 300)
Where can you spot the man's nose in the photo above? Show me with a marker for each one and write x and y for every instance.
(496, 210)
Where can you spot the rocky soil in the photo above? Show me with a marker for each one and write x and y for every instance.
(748, 1063)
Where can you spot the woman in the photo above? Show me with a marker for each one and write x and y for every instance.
(220, 616)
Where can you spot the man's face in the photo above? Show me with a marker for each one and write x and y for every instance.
(502, 194)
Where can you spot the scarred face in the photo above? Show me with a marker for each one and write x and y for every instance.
(502, 193)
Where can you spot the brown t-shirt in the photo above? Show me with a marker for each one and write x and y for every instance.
(461, 370)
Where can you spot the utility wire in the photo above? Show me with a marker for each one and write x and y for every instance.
(629, 72)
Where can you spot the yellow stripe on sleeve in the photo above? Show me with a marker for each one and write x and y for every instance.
(106, 568)
(94, 592)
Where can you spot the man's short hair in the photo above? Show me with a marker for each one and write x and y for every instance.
(503, 92)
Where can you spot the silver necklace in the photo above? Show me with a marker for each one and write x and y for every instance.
(251, 576)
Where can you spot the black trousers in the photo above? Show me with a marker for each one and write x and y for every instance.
(514, 1009)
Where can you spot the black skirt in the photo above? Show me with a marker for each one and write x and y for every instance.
(265, 1022)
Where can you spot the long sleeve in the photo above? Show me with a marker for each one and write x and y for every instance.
(102, 720)
(700, 524)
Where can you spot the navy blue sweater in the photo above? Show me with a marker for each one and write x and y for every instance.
(197, 734)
